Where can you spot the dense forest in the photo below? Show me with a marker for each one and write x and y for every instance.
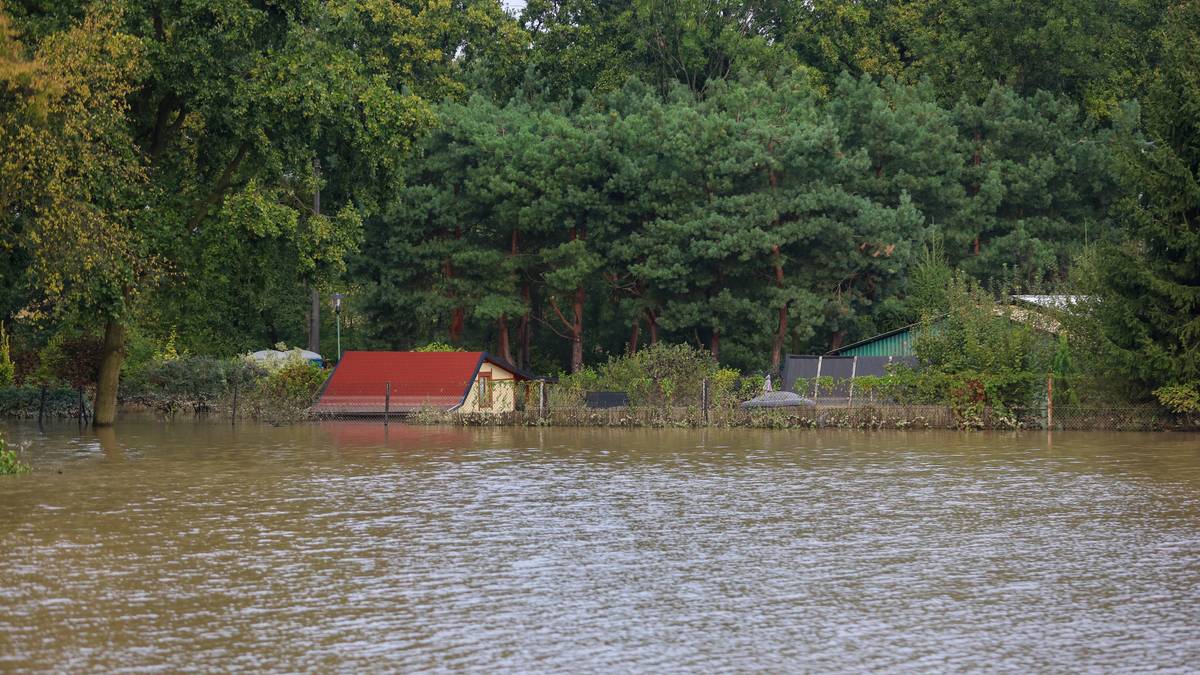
(752, 177)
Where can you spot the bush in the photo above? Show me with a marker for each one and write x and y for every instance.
(1181, 399)
(8, 370)
(9, 464)
(23, 402)
(286, 394)
(71, 358)
(437, 347)
(978, 354)
(659, 375)
(197, 382)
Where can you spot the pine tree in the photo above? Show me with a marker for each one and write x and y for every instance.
(1147, 284)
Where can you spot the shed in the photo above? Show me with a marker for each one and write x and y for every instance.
(897, 342)
(367, 383)
(841, 371)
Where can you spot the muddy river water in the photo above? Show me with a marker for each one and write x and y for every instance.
(345, 546)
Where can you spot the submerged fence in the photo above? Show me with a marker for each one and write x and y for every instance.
(538, 403)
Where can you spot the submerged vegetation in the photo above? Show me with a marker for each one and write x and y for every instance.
(276, 392)
(9, 464)
(184, 183)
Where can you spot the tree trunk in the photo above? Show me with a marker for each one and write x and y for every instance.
(111, 358)
(780, 338)
(976, 160)
(781, 331)
(633, 336)
(314, 312)
(714, 345)
(502, 347)
(458, 316)
(457, 321)
(577, 332)
(523, 329)
(652, 324)
(314, 321)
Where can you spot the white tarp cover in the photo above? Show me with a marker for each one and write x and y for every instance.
(275, 356)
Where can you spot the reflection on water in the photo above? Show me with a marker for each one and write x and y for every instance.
(185, 545)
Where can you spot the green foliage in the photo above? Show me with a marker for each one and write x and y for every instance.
(71, 358)
(660, 375)
(980, 352)
(1144, 283)
(8, 370)
(286, 394)
(25, 401)
(753, 177)
(282, 393)
(437, 347)
(9, 464)
(1183, 399)
(196, 382)
(929, 282)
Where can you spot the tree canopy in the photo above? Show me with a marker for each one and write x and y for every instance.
(751, 177)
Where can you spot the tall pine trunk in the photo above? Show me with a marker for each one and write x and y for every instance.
(111, 358)
(524, 328)
(459, 313)
(714, 345)
(633, 336)
(781, 330)
(577, 331)
(503, 347)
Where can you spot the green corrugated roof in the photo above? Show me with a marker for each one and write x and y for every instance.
(888, 344)
(896, 342)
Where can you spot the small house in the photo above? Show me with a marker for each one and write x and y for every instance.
(371, 383)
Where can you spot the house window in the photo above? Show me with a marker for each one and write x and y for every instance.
(484, 387)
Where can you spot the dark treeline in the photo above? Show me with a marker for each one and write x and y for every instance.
(759, 217)
(751, 177)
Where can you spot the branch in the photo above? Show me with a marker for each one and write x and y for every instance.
(550, 326)
(219, 189)
(554, 306)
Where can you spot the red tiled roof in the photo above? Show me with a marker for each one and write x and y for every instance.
(419, 380)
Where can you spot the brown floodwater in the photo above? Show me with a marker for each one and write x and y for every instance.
(345, 546)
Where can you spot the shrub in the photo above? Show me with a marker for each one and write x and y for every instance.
(71, 358)
(9, 464)
(978, 354)
(198, 382)
(8, 370)
(437, 347)
(661, 374)
(286, 394)
(1181, 399)
(23, 402)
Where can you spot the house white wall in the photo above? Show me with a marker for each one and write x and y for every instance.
(505, 391)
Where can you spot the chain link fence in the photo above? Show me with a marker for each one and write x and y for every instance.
(538, 403)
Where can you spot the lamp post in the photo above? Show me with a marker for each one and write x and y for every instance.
(337, 313)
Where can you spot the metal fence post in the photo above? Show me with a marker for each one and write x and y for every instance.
(853, 374)
(704, 398)
(233, 416)
(387, 403)
(541, 398)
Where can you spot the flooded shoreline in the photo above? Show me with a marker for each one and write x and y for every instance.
(348, 545)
